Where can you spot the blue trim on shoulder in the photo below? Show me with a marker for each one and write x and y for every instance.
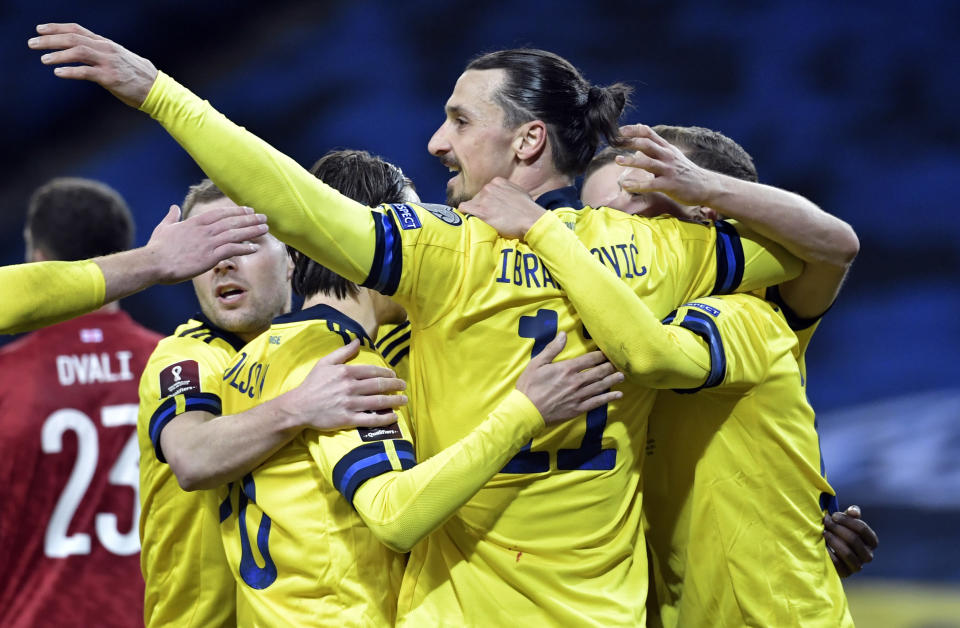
(703, 326)
(359, 465)
(166, 411)
(405, 325)
(729, 259)
(560, 198)
(326, 313)
(387, 265)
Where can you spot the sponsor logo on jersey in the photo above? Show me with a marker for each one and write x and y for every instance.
(180, 378)
(444, 213)
(384, 432)
(407, 217)
(274, 340)
(712, 311)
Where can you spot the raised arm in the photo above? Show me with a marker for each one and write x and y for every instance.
(305, 213)
(826, 244)
(43, 293)
(205, 450)
(401, 508)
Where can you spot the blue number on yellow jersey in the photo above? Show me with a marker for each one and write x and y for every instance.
(300, 552)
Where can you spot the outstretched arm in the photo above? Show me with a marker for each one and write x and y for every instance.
(304, 212)
(826, 244)
(206, 451)
(401, 508)
(43, 293)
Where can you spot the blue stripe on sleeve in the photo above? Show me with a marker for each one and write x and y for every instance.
(358, 466)
(704, 327)
(387, 262)
(204, 402)
(404, 448)
(729, 259)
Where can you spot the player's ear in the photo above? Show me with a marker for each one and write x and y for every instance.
(530, 140)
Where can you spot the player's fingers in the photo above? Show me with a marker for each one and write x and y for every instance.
(852, 549)
(173, 216)
(843, 552)
(79, 73)
(340, 355)
(51, 28)
(853, 511)
(585, 361)
(639, 160)
(367, 371)
(373, 419)
(241, 234)
(598, 400)
(60, 41)
(377, 386)
(375, 403)
(842, 570)
(233, 249)
(630, 131)
(601, 386)
(552, 350)
(863, 531)
(594, 374)
(77, 54)
(215, 216)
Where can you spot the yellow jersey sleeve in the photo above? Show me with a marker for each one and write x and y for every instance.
(383, 249)
(179, 378)
(43, 293)
(684, 355)
(403, 508)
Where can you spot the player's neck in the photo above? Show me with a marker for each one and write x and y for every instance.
(540, 181)
(360, 308)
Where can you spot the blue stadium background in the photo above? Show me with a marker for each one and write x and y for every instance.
(851, 104)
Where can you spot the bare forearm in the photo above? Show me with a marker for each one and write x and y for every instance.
(209, 453)
(789, 219)
(128, 272)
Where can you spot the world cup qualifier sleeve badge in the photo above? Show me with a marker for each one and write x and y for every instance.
(179, 378)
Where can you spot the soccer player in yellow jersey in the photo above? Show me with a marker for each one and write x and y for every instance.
(551, 538)
(330, 512)
(733, 477)
(46, 292)
(188, 581)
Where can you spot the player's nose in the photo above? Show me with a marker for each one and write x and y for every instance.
(438, 144)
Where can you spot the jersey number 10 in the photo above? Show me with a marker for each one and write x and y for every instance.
(590, 456)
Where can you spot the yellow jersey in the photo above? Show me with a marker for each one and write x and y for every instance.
(42, 293)
(315, 534)
(551, 538)
(393, 343)
(733, 482)
(188, 581)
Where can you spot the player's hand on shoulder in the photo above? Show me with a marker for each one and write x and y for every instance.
(566, 389)
(124, 74)
(336, 395)
(850, 541)
(182, 250)
(504, 206)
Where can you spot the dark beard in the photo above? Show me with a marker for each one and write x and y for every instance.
(454, 199)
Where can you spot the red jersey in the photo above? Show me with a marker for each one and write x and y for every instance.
(69, 541)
